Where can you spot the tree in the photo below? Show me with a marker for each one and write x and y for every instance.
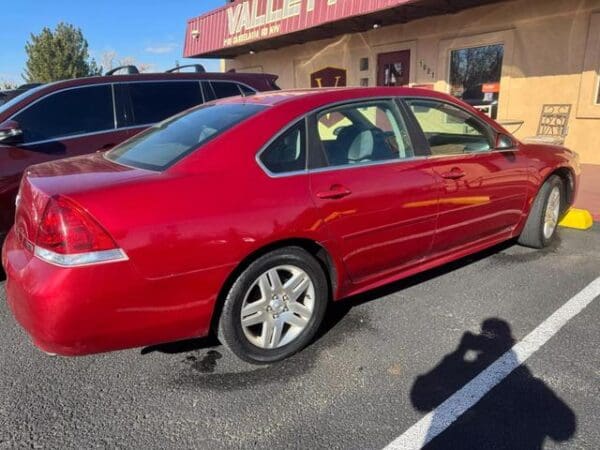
(58, 55)
(7, 85)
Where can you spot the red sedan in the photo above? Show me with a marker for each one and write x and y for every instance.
(247, 216)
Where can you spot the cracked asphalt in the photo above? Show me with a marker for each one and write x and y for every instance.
(381, 362)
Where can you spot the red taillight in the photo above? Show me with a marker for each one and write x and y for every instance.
(67, 229)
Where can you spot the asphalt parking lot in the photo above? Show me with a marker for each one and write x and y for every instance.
(382, 362)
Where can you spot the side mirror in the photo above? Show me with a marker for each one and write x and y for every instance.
(505, 142)
(10, 132)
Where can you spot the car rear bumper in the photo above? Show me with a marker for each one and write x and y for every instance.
(93, 309)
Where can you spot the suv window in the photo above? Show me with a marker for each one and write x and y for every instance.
(246, 91)
(164, 144)
(449, 129)
(363, 133)
(288, 152)
(225, 89)
(67, 113)
(152, 102)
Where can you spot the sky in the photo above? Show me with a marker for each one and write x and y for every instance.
(151, 31)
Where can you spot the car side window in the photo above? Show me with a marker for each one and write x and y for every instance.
(246, 91)
(363, 133)
(450, 130)
(71, 112)
(225, 89)
(288, 152)
(153, 102)
(209, 92)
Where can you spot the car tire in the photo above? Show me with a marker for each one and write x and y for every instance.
(542, 223)
(262, 321)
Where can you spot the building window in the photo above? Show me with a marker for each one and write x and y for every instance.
(364, 82)
(364, 64)
(475, 76)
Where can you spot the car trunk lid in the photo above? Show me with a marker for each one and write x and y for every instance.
(70, 178)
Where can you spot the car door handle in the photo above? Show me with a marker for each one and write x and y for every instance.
(454, 174)
(335, 192)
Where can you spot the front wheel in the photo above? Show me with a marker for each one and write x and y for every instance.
(275, 306)
(541, 225)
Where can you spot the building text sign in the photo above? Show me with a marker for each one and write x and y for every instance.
(246, 21)
(255, 19)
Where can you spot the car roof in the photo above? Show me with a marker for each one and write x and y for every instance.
(162, 76)
(254, 80)
(332, 95)
(303, 101)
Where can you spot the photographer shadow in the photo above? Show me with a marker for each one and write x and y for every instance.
(518, 414)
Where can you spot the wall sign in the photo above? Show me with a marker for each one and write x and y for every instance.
(328, 77)
(246, 21)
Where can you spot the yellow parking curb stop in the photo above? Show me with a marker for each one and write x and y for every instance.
(580, 219)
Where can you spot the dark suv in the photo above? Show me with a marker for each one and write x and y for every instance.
(86, 115)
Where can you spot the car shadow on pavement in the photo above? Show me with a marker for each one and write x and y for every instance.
(518, 414)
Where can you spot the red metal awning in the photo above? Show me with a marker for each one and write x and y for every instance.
(258, 25)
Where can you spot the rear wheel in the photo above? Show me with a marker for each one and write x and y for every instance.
(275, 306)
(541, 225)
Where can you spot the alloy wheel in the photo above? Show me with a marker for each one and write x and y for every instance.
(552, 212)
(278, 307)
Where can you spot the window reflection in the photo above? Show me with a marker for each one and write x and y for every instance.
(475, 76)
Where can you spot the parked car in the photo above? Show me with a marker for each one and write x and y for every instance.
(250, 215)
(86, 115)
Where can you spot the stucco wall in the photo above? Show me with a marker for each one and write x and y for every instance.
(551, 55)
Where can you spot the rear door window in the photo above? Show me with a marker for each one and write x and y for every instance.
(362, 133)
(152, 102)
(225, 89)
(72, 112)
(246, 91)
(166, 143)
(209, 92)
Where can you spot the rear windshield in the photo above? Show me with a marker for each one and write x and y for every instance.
(164, 144)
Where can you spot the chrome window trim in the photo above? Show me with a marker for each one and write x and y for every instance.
(76, 136)
(60, 91)
(201, 92)
(115, 125)
(113, 83)
(114, 100)
(323, 169)
(308, 171)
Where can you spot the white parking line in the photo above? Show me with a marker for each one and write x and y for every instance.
(444, 415)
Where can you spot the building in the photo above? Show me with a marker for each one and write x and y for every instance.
(507, 58)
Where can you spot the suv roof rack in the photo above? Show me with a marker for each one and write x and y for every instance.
(131, 70)
(198, 68)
